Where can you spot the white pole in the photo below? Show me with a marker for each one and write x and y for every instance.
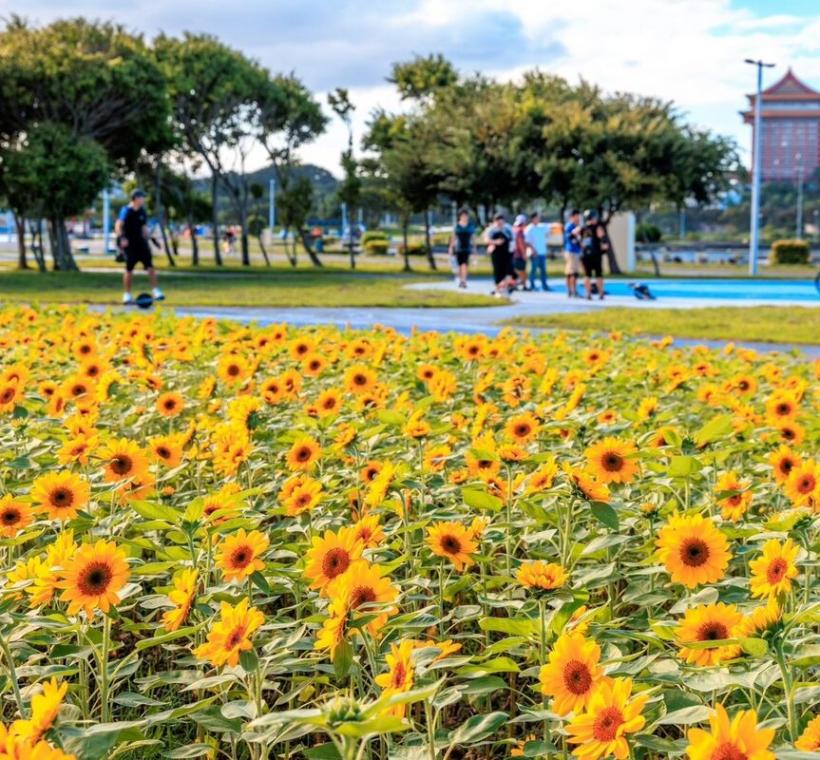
(106, 221)
(272, 205)
(800, 202)
(757, 159)
(344, 220)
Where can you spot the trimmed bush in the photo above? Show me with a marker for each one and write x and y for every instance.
(648, 233)
(789, 252)
(376, 247)
(413, 249)
(373, 235)
(440, 238)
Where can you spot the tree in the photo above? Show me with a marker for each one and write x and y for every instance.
(215, 93)
(289, 118)
(350, 187)
(424, 76)
(54, 174)
(89, 81)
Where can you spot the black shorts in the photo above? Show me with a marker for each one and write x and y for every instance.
(138, 252)
(593, 264)
(502, 266)
(520, 265)
(463, 257)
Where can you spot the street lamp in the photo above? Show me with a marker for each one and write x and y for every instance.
(798, 159)
(756, 161)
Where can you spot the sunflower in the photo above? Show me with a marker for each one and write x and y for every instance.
(809, 740)
(14, 516)
(300, 493)
(734, 505)
(238, 555)
(791, 433)
(610, 460)
(359, 379)
(399, 677)
(231, 635)
(76, 450)
(571, 673)
(760, 620)
(416, 427)
(522, 428)
(694, 550)
(314, 364)
(331, 555)
(44, 709)
(587, 485)
(369, 531)
(781, 407)
(366, 588)
(738, 739)
(746, 385)
(329, 402)
(783, 461)
(773, 572)
(61, 494)
(303, 454)
(541, 479)
(93, 578)
(610, 715)
(10, 395)
(803, 485)
(647, 408)
(123, 460)
(182, 596)
(334, 631)
(435, 457)
(541, 575)
(233, 369)
(170, 404)
(452, 541)
(708, 622)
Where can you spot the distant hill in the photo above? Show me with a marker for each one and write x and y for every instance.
(324, 184)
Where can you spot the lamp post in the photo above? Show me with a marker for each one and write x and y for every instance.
(754, 236)
(799, 223)
(106, 220)
(272, 205)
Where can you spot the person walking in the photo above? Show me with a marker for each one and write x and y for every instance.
(572, 252)
(595, 243)
(535, 237)
(131, 230)
(498, 238)
(519, 252)
(461, 246)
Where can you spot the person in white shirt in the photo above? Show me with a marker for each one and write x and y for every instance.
(535, 237)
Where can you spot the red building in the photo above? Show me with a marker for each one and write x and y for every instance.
(790, 139)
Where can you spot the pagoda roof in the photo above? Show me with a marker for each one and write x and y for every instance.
(789, 84)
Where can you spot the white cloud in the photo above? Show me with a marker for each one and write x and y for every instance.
(688, 51)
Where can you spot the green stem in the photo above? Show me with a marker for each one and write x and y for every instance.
(106, 641)
(787, 688)
(431, 730)
(12, 674)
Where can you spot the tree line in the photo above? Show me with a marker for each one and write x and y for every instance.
(83, 102)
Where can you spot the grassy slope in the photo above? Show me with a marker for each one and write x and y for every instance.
(262, 287)
(769, 324)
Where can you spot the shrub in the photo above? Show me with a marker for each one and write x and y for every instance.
(373, 235)
(413, 249)
(440, 238)
(376, 247)
(789, 252)
(648, 233)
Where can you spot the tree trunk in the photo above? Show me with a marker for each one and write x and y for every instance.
(263, 249)
(308, 246)
(161, 213)
(405, 225)
(61, 246)
(20, 224)
(611, 261)
(194, 242)
(243, 235)
(165, 246)
(215, 220)
(431, 259)
(350, 243)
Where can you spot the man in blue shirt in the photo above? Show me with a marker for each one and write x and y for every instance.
(132, 234)
(535, 237)
(572, 252)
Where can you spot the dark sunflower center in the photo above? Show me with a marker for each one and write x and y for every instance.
(713, 631)
(163, 452)
(95, 579)
(235, 638)
(233, 370)
(612, 462)
(786, 465)
(8, 395)
(694, 552)
(303, 454)
(122, 464)
(362, 595)
(451, 544)
(805, 484)
(10, 516)
(728, 752)
(241, 557)
(336, 561)
(577, 677)
(605, 727)
(522, 430)
(399, 674)
(62, 497)
(776, 571)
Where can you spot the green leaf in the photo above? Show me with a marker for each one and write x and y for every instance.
(717, 427)
(323, 752)
(164, 638)
(478, 498)
(514, 626)
(755, 647)
(249, 661)
(151, 510)
(477, 727)
(343, 660)
(191, 750)
(683, 466)
(605, 514)
(685, 716)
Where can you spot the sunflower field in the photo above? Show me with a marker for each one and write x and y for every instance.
(229, 541)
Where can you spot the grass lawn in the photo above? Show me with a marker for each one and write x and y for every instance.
(277, 286)
(765, 324)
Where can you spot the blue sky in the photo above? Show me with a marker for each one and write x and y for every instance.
(688, 51)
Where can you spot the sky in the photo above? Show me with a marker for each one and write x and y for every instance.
(687, 51)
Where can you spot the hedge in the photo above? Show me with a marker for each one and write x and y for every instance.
(789, 252)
